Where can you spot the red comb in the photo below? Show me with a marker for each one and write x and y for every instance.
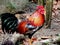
(40, 9)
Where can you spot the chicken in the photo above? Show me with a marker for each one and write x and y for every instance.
(29, 26)
(33, 21)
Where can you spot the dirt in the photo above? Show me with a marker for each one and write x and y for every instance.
(55, 26)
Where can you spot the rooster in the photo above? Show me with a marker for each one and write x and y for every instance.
(32, 23)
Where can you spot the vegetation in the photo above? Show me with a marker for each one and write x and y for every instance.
(49, 5)
(10, 7)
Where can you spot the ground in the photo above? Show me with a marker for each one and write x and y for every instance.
(48, 33)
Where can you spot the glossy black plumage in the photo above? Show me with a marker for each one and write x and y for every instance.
(9, 22)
